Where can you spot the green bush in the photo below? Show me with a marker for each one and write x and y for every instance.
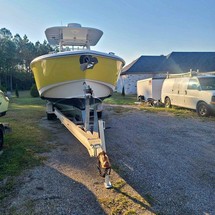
(3, 89)
(34, 92)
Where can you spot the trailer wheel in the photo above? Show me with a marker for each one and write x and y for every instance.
(99, 114)
(167, 102)
(1, 139)
(141, 99)
(203, 110)
(50, 116)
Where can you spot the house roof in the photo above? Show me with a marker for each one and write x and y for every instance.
(145, 64)
(175, 62)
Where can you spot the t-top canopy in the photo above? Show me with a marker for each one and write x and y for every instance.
(73, 35)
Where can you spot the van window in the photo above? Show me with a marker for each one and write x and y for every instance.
(193, 84)
(207, 83)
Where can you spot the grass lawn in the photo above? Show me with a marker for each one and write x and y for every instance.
(118, 99)
(21, 147)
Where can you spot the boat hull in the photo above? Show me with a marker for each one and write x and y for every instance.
(63, 76)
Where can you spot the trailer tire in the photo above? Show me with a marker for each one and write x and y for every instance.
(203, 110)
(99, 114)
(141, 99)
(1, 139)
(50, 116)
(167, 102)
(3, 113)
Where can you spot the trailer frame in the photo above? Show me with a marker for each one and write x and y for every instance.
(89, 131)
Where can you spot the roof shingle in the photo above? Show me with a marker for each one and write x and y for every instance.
(176, 62)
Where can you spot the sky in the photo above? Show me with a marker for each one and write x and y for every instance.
(131, 27)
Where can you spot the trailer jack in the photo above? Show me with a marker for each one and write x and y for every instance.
(104, 168)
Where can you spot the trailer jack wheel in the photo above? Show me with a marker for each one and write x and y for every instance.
(104, 168)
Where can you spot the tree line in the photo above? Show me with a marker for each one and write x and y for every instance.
(16, 54)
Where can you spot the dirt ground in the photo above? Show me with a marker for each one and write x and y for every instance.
(162, 164)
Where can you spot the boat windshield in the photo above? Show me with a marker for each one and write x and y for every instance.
(207, 83)
(73, 48)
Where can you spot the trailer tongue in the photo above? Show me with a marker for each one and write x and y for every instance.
(89, 131)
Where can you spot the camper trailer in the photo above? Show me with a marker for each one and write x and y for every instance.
(149, 89)
(188, 90)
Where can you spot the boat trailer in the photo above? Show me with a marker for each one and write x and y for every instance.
(89, 131)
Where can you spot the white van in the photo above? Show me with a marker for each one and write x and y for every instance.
(196, 92)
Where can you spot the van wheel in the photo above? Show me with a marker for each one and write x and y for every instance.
(167, 102)
(203, 109)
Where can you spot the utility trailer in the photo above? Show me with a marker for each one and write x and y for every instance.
(88, 129)
(149, 90)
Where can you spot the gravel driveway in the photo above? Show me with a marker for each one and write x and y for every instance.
(162, 164)
(172, 159)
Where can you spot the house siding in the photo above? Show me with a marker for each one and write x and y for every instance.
(130, 81)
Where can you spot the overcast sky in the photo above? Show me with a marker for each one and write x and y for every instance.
(131, 27)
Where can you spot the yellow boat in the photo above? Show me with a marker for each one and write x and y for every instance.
(65, 77)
